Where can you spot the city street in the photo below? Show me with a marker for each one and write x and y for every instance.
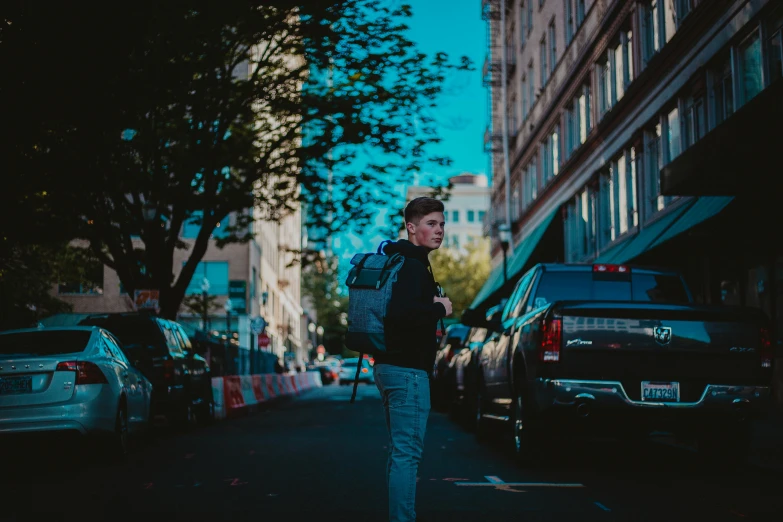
(318, 457)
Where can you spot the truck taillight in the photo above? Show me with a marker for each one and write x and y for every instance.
(86, 372)
(766, 349)
(551, 336)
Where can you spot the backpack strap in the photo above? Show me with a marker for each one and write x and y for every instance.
(383, 243)
(359, 267)
(356, 377)
(391, 262)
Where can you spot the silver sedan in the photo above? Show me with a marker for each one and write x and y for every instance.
(72, 379)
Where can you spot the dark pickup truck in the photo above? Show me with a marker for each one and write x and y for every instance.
(622, 351)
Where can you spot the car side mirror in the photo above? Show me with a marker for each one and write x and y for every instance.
(473, 318)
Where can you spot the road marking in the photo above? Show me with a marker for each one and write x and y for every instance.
(454, 479)
(602, 506)
(497, 481)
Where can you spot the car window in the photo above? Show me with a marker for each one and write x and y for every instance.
(178, 335)
(43, 343)
(114, 349)
(514, 305)
(185, 339)
(587, 286)
(171, 338)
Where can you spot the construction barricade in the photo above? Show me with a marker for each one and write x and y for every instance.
(235, 393)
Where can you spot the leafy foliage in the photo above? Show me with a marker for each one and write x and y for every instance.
(462, 274)
(320, 284)
(200, 110)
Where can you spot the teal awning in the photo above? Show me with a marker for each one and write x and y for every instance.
(644, 240)
(704, 208)
(667, 227)
(516, 264)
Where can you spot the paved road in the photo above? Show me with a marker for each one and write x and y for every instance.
(317, 457)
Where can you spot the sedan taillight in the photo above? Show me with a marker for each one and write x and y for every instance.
(766, 349)
(86, 372)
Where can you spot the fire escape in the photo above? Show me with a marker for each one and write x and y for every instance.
(490, 13)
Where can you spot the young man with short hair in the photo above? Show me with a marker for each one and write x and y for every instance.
(402, 374)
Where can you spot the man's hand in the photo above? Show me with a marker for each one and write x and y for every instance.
(446, 302)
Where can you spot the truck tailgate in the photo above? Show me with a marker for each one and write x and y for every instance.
(688, 344)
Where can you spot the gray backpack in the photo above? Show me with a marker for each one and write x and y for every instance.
(369, 285)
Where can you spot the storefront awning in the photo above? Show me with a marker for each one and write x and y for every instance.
(738, 156)
(644, 240)
(667, 227)
(515, 265)
(701, 211)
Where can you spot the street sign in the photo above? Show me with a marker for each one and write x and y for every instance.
(263, 340)
(146, 299)
(257, 325)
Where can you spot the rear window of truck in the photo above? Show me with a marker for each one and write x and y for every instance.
(588, 286)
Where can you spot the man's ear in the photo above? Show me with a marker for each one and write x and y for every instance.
(410, 227)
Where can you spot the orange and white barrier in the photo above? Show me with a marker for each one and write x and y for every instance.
(233, 393)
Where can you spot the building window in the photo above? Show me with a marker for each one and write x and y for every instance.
(540, 4)
(568, 20)
(530, 20)
(471, 216)
(694, 122)
(580, 226)
(577, 121)
(522, 24)
(615, 72)
(552, 48)
(516, 201)
(455, 216)
(481, 215)
(750, 77)
(722, 90)
(253, 282)
(554, 147)
(217, 274)
(655, 201)
(618, 197)
(531, 85)
(524, 98)
(512, 116)
(580, 12)
(550, 155)
(660, 20)
(543, 66)
(530, 183)
(775, 45)
(89, 282)
(673, 143)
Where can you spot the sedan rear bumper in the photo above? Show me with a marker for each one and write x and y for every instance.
(91, 409)
(587, 396)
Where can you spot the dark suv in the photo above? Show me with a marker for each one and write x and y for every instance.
(160, 349)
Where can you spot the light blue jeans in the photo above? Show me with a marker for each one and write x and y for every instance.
(405, 393)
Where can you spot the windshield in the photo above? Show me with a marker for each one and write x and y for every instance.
(44, 343)
(587, 286)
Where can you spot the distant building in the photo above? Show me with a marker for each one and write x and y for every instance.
(465, 212)
(639, 132)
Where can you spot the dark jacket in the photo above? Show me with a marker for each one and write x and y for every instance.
(412, 317)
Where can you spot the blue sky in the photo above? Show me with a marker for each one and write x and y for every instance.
(461, 112)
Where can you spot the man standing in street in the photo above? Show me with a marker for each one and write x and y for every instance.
(402, 374)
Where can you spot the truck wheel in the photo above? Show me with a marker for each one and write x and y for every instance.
(525, 432)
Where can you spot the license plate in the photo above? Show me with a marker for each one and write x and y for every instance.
(10, 385)
(660, 391)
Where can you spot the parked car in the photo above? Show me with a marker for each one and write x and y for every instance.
(465, 370)
(623, 351)
(161, 349)
(348, 371)
(442, 387)
(72, 379)
(329, 373)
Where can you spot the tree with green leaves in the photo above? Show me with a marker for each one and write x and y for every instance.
(188, 113)
(320, 283)
(462, 274)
